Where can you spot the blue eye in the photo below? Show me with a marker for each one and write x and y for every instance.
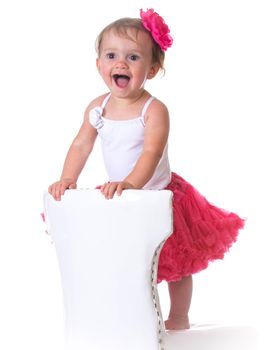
(110, 55)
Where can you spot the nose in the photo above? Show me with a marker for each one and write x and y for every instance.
(121, 64)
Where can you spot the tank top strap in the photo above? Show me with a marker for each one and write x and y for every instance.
(146, 106)
(106, 99)
(144, 110)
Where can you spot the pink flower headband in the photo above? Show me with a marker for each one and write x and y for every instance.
(155, 24)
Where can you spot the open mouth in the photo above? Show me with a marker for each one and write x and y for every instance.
(121, 80)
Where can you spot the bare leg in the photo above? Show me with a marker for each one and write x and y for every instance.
(180, 299)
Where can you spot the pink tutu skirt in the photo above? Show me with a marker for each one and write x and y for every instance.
(202, 233)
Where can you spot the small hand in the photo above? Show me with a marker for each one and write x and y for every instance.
(58, 188)
(110, 188)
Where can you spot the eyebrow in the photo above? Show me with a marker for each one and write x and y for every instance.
(129, 50)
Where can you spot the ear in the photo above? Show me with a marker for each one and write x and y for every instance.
(97, 64)
(153, 71)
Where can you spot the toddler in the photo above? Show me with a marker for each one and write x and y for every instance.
(133, 127)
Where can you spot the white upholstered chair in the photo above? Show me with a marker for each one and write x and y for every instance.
(105, 250)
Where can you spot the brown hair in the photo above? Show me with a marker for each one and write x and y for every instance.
(122, 26)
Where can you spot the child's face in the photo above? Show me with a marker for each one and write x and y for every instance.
(124, 64)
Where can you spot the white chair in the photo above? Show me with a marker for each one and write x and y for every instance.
(107, 252)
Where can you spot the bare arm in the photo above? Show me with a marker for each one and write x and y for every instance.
(76, 158)
(156, 135)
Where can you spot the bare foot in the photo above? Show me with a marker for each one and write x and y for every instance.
(177, 323)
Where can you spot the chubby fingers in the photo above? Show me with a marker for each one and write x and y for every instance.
(108, 189)
(121, 186)
(58, 189)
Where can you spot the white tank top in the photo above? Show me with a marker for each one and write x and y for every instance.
(122, 144)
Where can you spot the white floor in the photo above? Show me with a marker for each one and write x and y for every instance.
(212, 337)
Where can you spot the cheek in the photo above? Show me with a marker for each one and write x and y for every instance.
(143, 69)
(103, 70)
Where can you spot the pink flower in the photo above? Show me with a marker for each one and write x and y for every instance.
(155, 24)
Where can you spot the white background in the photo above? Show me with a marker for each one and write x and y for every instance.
(222, 89)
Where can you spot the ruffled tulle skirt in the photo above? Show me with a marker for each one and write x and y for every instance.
(202, 233)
